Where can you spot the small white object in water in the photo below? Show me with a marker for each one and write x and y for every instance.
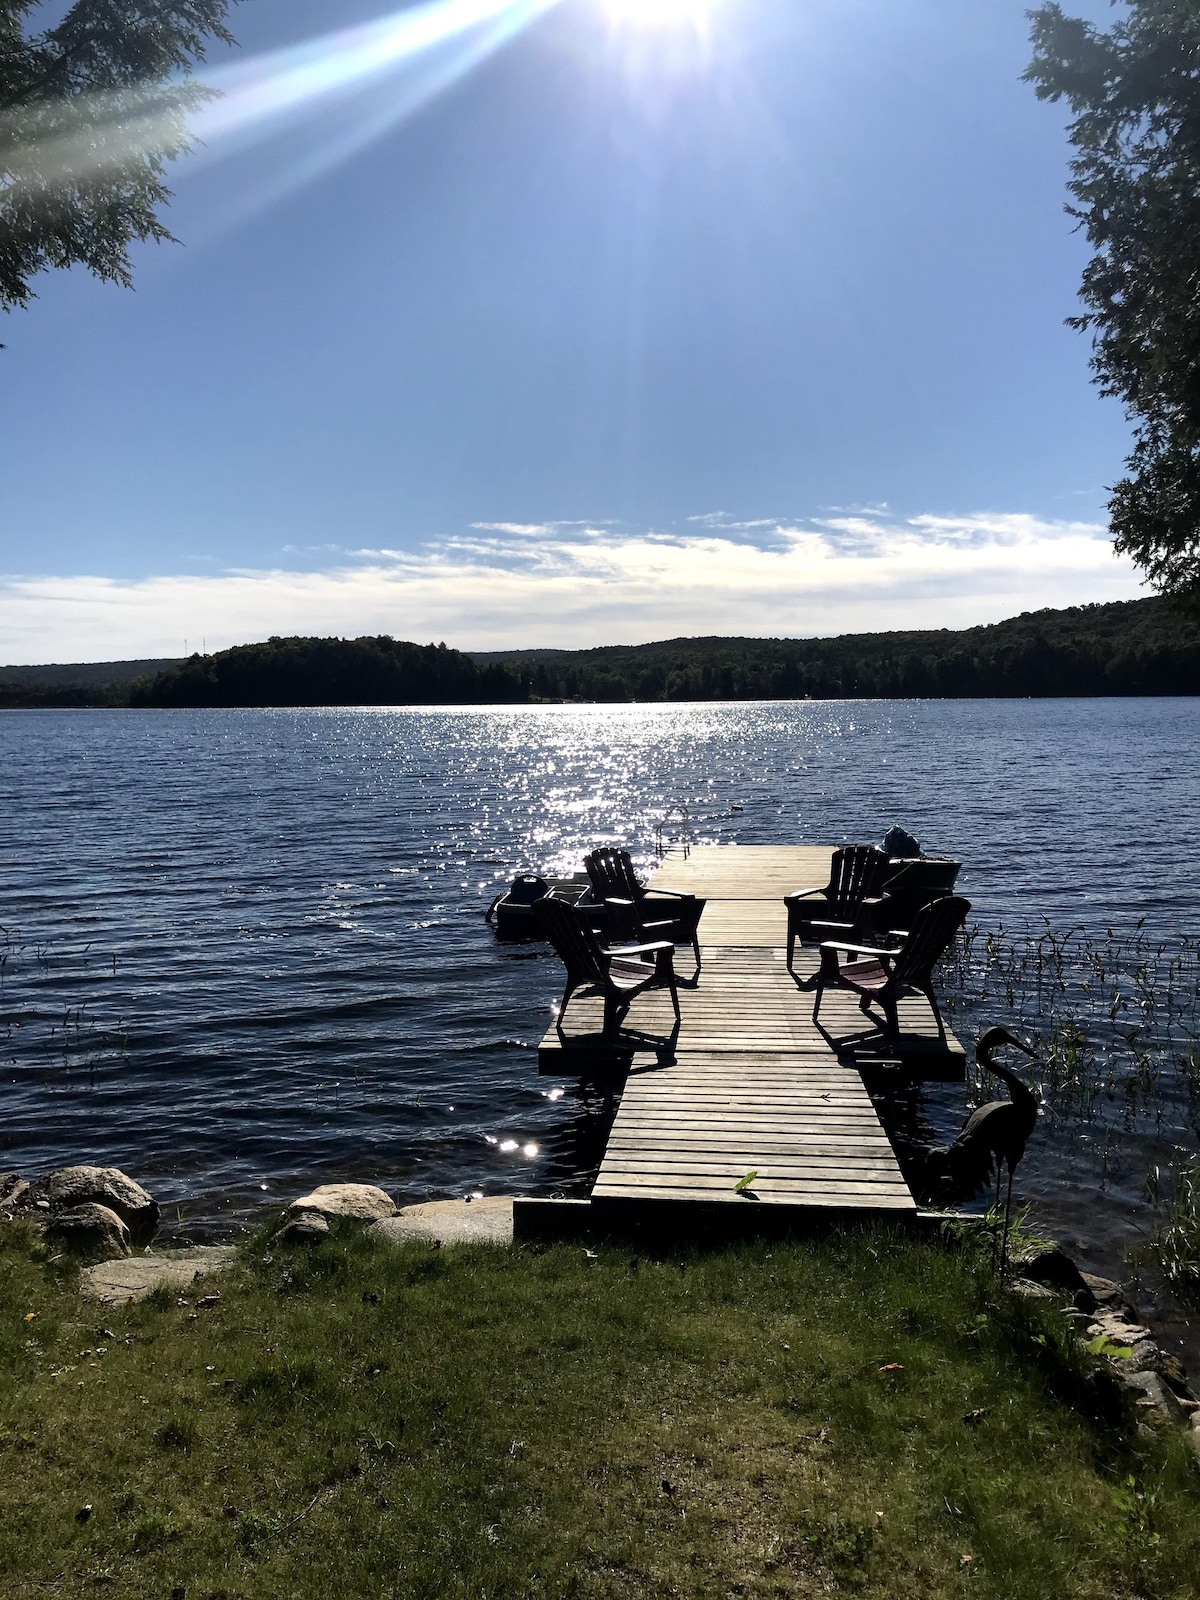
(529, 1150)
(508, 1144)
(555, 1094)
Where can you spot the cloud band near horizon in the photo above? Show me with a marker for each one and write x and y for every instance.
(572, 585)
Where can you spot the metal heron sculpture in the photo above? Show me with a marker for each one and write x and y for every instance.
(994, 1136)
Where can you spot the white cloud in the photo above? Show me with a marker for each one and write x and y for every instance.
(525, 530)
(577, 584)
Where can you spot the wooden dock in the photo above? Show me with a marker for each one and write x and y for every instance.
(747, 1083)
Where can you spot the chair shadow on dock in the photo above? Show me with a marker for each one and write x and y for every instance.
(620, 1045)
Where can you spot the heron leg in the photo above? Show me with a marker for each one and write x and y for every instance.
(996, 1207)
(1007, 1216)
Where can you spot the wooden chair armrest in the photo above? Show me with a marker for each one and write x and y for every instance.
(802, 894)
(639, 949)
(858, 949)
(628, 921)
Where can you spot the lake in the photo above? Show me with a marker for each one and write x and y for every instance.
(245, 951)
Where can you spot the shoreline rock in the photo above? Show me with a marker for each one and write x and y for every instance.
(446, 1222)
(306, 1227)
(363, 1201)
(132, 1279)
(1129, 1348)
(89, 1230)
(70, 1189)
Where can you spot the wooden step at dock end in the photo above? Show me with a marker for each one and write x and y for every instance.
(551, 1221)
(685, 1218)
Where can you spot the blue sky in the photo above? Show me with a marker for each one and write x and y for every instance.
(580, 326)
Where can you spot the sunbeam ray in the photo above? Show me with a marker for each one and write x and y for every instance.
(423, 49)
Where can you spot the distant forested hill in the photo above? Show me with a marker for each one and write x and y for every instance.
(1126, 648)
(1136, 647)
(330, 672)
(75, 683)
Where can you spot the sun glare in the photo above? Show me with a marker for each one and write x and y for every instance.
(660, 13)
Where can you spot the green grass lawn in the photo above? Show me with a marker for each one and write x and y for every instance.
(867, 1414)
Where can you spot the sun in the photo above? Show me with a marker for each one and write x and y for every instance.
(660, 13)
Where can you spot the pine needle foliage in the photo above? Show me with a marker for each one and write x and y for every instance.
(92, 110)
(1134, 91)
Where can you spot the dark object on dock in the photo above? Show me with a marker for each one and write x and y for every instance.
(613, 880)
(911, 882)
(883, 975)
(511, 912)
(897, 841)
(993, 1136)
(620, 974)
(848, 904)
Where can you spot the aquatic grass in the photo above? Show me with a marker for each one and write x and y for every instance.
(1115, 1018)
(1177, 1232)
(867, 1414)
(1114, 1015)
(59, 1044)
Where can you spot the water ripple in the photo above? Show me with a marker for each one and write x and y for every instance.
(247, 948)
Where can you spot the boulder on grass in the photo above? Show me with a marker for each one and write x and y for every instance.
(361, 1200)
(1051, 1265)
(72, 1187)
(302, 1227)
(89, 1230)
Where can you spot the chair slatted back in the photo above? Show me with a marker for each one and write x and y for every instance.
(573, 941)
(934, 927)
(856, 872)
(611, 874)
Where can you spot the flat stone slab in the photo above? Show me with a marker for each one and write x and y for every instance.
(117, 1282)
(486, 1221)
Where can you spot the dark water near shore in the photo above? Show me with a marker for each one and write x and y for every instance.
(246, 950)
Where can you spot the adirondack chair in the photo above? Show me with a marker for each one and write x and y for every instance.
(847, 903)
(884, 975)
(620, 974)
(663, 912)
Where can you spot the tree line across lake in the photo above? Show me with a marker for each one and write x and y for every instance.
(1138, 647)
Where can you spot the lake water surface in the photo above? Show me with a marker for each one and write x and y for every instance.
(245, 951)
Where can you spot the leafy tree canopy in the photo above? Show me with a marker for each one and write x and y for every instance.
(91, 112)
(1135, 177)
